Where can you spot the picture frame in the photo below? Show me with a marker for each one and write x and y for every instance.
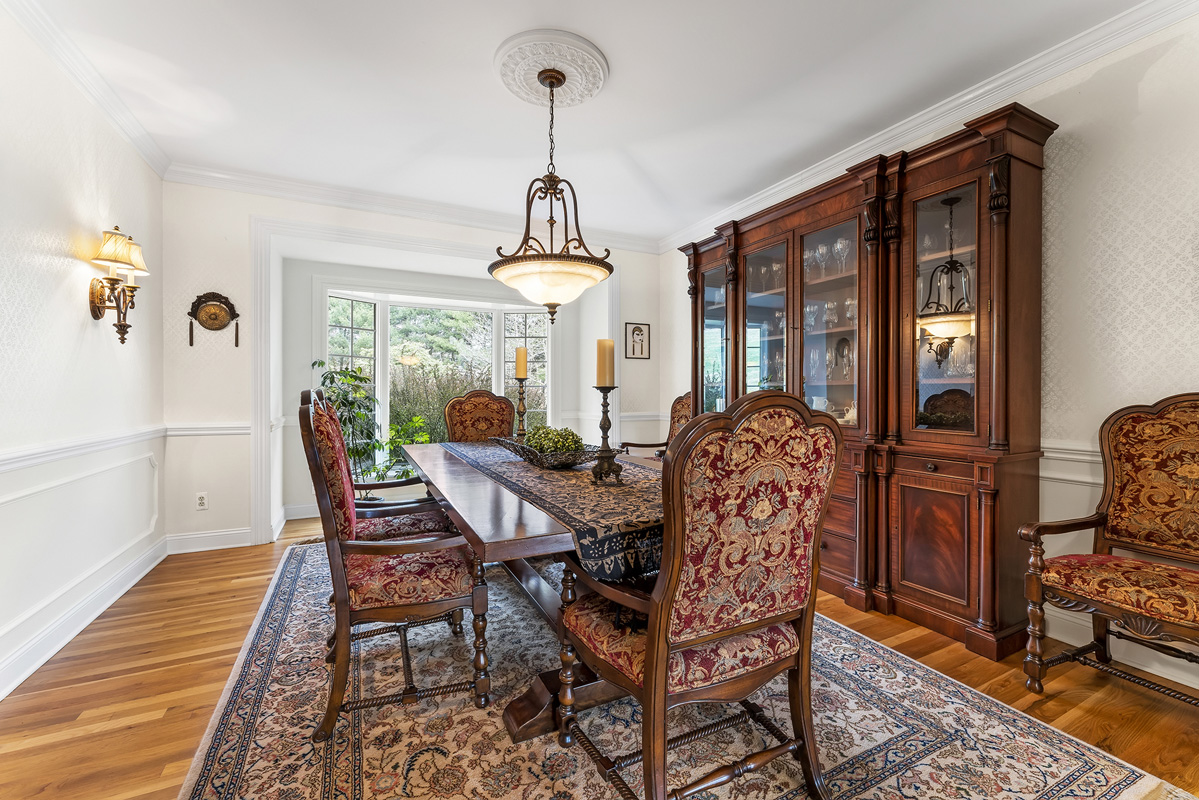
(636, 340)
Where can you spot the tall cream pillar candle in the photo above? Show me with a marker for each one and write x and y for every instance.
(522, 362)
(605, 362)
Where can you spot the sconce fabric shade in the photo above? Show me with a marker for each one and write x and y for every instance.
(136, 265)
(114, 250)
(556, 280)
(948, 326)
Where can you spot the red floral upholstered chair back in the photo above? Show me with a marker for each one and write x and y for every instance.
(745, 493)
(680, 415)
(479, 415)
(325, 447)
(1151, 457)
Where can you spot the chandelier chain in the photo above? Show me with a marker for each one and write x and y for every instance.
(551, 169)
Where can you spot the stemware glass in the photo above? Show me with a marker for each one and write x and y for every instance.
(841, 248)
(851, 309)
(813, 363)
(830, 362)
(780, 322)
(776, 275)
(808, 263)
(810, 310)
(830, 313)
(822, 256)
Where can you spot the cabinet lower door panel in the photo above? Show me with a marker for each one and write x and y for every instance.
(934, 529)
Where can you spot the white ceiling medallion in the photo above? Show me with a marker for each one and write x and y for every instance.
(521, 57)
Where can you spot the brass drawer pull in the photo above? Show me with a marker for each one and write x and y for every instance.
(931, 467)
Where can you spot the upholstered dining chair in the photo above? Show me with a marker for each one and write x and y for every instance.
(478, 415)
(732, 607)
(384, 518)
(411, 581)
(680, 415)
(1148, 592)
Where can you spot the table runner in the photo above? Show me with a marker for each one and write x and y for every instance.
(617, 530)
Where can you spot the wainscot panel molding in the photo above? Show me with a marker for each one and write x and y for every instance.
(643, 416)
(63, 51)
(38, 632)
(1123, 29)
(21, 458)
(1071, 462)
(210, 429)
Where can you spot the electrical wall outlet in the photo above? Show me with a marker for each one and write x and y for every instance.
(201, 501)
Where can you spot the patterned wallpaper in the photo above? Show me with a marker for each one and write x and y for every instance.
(68, 175)
(1121, 234)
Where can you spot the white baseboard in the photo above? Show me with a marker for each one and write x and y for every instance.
(278, 523)
(25, 658)
(198, 541)
(301, 511)
(1075, 629)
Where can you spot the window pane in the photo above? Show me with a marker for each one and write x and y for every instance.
(538, 373)
(366, 365)
(510, 346)
(339, 341)
(514, 324)
(364, 315)
(537, 324)
(538, 350)
(436, 355)
(339, 311)
(534, 397)
(364, 343)
(533, 418)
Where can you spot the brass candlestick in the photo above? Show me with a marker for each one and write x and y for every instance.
(520, 409)
(607, 464)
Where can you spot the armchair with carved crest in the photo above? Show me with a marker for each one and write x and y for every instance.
(1149, 512)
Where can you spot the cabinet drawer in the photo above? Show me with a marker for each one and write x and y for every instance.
(939, 467)
(837, 555)
(841, 517)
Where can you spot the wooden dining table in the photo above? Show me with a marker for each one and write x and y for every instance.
(501, 526)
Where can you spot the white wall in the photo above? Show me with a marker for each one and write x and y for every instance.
(81, 429)
(208, 242)
(1121, 270)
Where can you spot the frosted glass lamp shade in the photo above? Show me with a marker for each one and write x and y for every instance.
(948, 326)
(550, 281)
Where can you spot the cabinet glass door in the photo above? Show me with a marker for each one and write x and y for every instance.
(766, 319)
(945, 294)
(714, 355)
(830, 320)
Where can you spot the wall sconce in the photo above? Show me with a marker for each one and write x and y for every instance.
(122, 256)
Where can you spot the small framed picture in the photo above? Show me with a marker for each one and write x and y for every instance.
(636, 340)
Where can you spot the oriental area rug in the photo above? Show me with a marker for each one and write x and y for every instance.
(887, 727)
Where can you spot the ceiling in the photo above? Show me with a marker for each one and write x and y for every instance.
(707, 101)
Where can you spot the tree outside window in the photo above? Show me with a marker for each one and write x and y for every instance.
(530, 330)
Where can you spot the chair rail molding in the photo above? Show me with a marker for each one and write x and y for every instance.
(1106, 37)
(24, 457)
(209, 429)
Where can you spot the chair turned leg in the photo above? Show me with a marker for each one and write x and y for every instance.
(1099, 626)
(1034, 663)
(481, 662)
(566, 677)
(341, 674)
(456, 622)
(799, 700)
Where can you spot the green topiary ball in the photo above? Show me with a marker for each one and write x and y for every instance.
(545, 439)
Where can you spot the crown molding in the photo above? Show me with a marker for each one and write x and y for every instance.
(64, 52)
(378, 202)
(1106, 37)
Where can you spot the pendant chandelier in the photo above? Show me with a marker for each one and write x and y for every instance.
(948, 312)
(555, 271)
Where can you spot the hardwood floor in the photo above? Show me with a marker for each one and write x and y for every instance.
(119, 712)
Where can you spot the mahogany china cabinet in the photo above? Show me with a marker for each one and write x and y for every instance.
(905, 299)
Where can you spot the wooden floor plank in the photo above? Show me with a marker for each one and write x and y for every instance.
(119, 712)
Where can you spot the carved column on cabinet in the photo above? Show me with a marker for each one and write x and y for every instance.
(697, 325)
(873, 175)
(998, 205)
(892, 313)
(881, 467)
